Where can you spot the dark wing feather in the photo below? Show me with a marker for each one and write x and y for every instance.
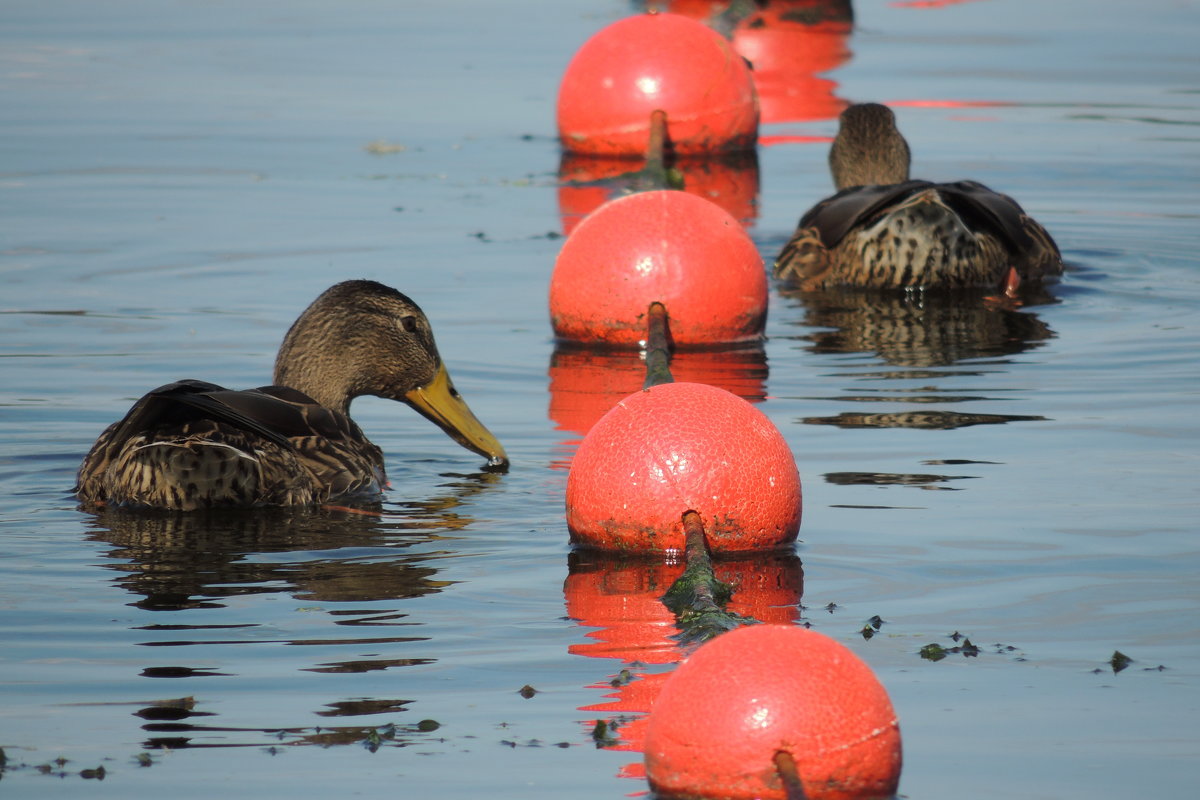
(983, 209)
(188, 400)
(835, 216)
(168, 404)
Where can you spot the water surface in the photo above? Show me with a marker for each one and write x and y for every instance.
(178, 181)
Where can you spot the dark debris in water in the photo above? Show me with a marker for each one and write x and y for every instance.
(1119, 662)
(623, 677)
(527, 691)
(56, 768)
(964, 647)
(936, 652)
(604, 733)
(514, 744)
(871, 627)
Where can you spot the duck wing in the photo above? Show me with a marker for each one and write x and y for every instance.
(329, 444)
(283, 429)
(836, 216)
(983, 209)
(189, 401)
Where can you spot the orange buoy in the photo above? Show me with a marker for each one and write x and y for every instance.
(680, 447)
(725, 715)
(649, 62)
(666, 246)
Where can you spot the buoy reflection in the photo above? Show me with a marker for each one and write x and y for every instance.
(585, 383)
(619, 597)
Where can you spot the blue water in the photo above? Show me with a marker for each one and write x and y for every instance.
(177, 181)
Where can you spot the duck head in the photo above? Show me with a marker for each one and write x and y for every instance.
(869, 150)
(363, 338)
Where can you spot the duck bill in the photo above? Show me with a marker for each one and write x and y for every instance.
(443, 406)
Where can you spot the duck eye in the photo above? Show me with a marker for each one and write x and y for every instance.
(409, 323)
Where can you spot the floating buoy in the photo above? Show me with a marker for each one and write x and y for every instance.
(666, 246)
(681, 447)
(649, 62)
(763, 696)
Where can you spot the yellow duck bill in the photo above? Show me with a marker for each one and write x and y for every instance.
(439, 402)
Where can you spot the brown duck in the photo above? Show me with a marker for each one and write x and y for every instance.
(191, 444)
(882, 230)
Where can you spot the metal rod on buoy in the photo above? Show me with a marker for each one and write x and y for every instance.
(656, 147)
(785, 765)
(699, 560)
(697, 597)
(658, 346)
(660, 171)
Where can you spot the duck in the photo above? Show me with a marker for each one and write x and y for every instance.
(192, 445)
(882, 230)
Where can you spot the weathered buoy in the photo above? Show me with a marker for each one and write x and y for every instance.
(763, 696)
(666, 246)
(649, 62)
(681, 447)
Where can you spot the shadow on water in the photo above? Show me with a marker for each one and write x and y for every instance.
(621, 597)
(188, 562)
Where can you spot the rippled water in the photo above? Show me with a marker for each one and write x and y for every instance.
(178, 181)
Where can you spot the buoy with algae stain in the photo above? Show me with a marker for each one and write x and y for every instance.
(763, 696)
(661, 246)
(651, 62)
(681, 447)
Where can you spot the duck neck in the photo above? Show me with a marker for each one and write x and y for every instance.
(326, 377)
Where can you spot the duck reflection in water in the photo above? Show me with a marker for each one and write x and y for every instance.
(620, 597)
(919, 336)
(200, 561)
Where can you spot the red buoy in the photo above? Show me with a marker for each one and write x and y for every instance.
(666, 246)
(681, 447)
(657, 61)
(725, 715)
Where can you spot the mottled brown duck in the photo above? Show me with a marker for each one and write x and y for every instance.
(191, 445)
(882, 230)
